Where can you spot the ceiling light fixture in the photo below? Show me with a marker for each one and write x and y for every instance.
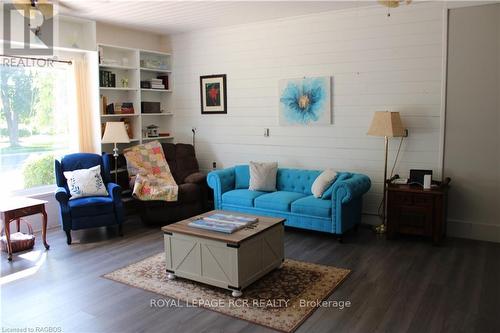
(393, 4)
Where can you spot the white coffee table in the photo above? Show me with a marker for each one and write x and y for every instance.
(229, 261)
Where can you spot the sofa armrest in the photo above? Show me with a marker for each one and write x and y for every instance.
(353, 187)
(195, 178)
(114, 190)
(347, 202)
(62, 195)
(221, 181)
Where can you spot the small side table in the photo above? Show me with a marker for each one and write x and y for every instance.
(413, 210)
(14, 208)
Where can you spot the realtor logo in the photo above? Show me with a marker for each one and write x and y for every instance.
(28, 27)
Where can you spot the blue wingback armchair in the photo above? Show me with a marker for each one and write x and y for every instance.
(87, 212)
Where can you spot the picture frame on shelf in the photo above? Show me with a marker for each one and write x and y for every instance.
(213, 94)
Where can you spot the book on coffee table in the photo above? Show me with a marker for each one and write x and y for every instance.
(223, 222)
(225, 227)
(230, 218)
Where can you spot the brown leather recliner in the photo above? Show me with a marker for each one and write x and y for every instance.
(193, 188)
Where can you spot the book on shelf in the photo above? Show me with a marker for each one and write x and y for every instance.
(101, 54)
(110, 108)
(103, 104)
(164, 79)
(127, 108)
(120, 108)
(153, 84)
(107, 79)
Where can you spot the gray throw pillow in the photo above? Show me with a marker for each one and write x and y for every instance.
(263, 176)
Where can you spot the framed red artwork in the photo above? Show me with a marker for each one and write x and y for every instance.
(213, 94)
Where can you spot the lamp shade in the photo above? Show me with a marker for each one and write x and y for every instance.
(385, 123)
(115, 132)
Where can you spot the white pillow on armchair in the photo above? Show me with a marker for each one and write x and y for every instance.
(86, 183)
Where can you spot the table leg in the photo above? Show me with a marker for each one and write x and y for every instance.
(18, 223)
(7, 235)
(44, 228)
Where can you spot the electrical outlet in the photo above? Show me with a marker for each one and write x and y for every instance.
(214, 165)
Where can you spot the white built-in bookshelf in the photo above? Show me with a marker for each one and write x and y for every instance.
(129, 67)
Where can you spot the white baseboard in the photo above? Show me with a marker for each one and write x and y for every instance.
(478, 231)
(371, 219)
(458, 228)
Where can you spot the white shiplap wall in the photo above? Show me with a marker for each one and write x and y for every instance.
(377, 63)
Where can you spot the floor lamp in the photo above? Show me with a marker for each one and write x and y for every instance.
(389, 125)
(115, 132)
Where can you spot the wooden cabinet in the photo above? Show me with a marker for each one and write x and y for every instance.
(411, 210)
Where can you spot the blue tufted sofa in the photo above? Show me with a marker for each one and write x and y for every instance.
(338, 210)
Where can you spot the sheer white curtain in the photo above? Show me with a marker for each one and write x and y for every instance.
(85, 120)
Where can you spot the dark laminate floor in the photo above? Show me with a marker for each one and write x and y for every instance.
(405, 285)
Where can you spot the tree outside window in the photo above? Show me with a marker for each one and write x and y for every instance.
(35, 107)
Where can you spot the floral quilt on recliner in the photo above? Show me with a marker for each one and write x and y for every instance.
(153, 179)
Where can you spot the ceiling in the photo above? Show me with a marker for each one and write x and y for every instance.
(170, 17)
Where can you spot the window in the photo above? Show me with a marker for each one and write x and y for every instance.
(36, 106)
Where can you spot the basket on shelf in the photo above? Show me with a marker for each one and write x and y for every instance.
(19, 241)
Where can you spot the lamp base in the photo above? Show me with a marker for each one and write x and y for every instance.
(115, 155)
(380, 229)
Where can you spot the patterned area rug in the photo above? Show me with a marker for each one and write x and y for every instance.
(281, 300)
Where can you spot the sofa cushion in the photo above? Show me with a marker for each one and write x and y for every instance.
(241, 197)
(169, 152)
(91, 206)
(312, 206)
(242, 176)
(280, 200)
(195, 178)
(296, 180)
(181, 159)
(185, 159)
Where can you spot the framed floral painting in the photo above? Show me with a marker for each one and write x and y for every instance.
(305, 101)
(213, 94)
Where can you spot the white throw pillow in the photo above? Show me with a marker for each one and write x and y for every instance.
(322, 182)
(263, 176)
(86, 183)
